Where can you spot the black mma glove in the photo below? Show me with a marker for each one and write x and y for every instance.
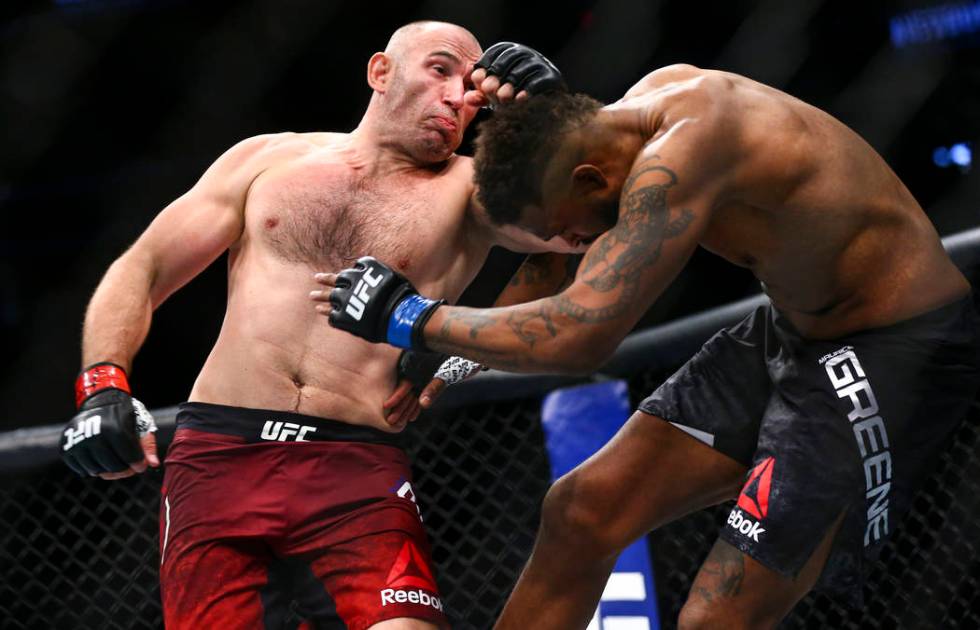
(419, 367)
(523, 67)
(104, 436)
(375, 303)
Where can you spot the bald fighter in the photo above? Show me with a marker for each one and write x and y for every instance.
(818, 412)
(285, 479)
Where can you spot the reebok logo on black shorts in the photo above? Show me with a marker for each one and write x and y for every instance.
(754, 500)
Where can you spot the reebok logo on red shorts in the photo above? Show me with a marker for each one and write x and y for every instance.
(409, 579)
(754, 500)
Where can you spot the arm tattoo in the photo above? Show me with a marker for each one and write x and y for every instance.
(542, 270)
(521, 323)
(531, 272)
(476, 321)
(618, 259)
(616, 264)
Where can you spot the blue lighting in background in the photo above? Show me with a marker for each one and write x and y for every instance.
(960, 154)
(935, 24)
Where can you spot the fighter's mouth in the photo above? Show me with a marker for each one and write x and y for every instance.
(446, 123)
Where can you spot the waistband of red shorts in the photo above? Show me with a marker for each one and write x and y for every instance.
(267, 425)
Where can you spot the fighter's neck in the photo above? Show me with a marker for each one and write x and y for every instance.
(381, 152)
(614, 137)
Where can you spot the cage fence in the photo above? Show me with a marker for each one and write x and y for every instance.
(82, 553)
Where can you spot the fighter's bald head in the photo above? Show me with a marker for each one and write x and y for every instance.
(420, 83)
(413, 34)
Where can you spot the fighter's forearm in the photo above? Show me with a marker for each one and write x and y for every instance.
(118, 316)
(540, 336)
(541, 275)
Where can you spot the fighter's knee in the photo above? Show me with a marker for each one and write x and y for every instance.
(698, 614)
(701, 613)
(572, 511)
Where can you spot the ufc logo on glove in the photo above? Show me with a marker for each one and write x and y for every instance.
(360, 296)
(376, 303)
(86, 429)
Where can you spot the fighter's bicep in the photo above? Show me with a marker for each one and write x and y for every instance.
(198, 226)
(653, 218)
(185, 238)
(660, 224)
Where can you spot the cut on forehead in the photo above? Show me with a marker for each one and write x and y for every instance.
(413, 34)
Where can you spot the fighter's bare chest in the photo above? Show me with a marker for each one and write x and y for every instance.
(329, 215)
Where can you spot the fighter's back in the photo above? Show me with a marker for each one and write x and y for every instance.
(316, 203)
(838, 241)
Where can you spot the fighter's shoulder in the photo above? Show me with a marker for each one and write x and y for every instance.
(480, 226)
(461, 166)
(663, 77)
(266, 150)
(273, 146)
(683, 93)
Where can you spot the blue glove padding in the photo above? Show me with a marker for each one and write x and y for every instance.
(373, 302)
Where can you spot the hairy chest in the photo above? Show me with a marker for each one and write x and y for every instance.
(329, 215)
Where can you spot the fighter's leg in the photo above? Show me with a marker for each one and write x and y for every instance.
(649, 474)
(215, 584)
(309, 583)
(378, 578)
(214, 562)
(732, 590)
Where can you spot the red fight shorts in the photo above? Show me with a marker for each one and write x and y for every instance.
(261, 509)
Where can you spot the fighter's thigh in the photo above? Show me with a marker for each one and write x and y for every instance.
(649, 474)
(214, 584)
(733, 590)
(383, 576)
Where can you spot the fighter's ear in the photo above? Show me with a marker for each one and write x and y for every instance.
(588, 178)
(379, 71)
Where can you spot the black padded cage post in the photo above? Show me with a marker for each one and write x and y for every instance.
(80, 553)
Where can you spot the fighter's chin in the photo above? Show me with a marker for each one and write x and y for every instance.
(436, 149)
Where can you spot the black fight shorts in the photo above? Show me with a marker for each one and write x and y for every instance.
(848, 426)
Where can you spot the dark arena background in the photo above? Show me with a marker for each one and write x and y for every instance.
(109, 109)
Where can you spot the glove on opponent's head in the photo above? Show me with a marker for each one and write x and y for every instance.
(523, 67)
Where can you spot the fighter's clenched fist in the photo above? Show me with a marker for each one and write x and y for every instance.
(112, 434)
(509, 71)
(375, 303)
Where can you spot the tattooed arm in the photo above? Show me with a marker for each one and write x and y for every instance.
(540, 275)
(663, 213)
